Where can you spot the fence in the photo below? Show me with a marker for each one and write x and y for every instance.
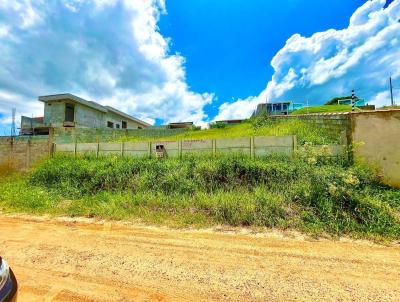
(376, 135)
(251, 146)
(88, 135)
(22, 153)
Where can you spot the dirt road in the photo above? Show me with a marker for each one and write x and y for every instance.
(59, 260)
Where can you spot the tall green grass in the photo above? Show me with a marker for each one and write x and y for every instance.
(324, 109)
(276, 191)
(305, 131)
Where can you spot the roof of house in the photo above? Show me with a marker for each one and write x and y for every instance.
(283, 102)
(91, 104)
(181, 123)
(237, 121)
(112, 109)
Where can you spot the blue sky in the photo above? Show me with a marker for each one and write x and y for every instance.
(197, 60)
(228, 44)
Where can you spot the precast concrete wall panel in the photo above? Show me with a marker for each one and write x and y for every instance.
(266, 145)
(171, 147)
(234, 145)
(140, 149)
(197, 146)
(86, 148)
(110, 148)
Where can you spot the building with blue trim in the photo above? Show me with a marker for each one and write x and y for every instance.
(277, 108)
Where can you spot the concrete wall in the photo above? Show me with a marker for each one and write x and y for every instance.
(54, 114)
(87, 135)
(85, 117)
(117, 120)
(28, 122)
(339, 123)
(251, 146)
(376, 136)
(21, 154)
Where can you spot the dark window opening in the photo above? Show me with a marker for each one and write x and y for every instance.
(124, 125)
(117, 126)
(139, 127)
(110, 124)
(69, 113)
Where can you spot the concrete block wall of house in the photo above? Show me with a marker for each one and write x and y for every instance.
(67, 110)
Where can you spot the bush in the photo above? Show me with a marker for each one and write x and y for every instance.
(217, 125)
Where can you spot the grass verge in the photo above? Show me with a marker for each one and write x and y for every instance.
(313, 196)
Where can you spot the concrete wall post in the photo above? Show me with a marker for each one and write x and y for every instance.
(75, 146)
(214, 146)
(294, 143)
(149, 149)
(252, 151)
(180, 148)
(28, 153)
(53, 149)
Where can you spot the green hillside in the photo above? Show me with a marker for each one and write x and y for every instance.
(304, 130)
(324, 109)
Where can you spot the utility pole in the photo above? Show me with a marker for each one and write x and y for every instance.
(391, 90)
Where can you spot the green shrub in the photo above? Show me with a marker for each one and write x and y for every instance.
(217, 125)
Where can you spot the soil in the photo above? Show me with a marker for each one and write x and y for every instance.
(58, 259)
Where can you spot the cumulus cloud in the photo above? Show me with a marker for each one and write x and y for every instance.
(109, 51)
(332, 63)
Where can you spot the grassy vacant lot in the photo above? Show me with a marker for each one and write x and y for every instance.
(324, 109)
(306, 131)
(304, 193)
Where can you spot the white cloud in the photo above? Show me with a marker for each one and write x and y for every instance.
(239, 109)
(332, 63)
(109, 51)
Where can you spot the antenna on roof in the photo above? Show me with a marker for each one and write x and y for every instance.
(13, 133)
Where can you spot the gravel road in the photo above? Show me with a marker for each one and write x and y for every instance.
(78, 260)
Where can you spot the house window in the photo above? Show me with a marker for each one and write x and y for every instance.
(124, 125)
(117, 126)
(69, 113)
(110, 124)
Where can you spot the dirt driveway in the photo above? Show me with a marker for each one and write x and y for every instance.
(59, 260)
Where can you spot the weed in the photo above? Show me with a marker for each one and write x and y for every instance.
(274, 191)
